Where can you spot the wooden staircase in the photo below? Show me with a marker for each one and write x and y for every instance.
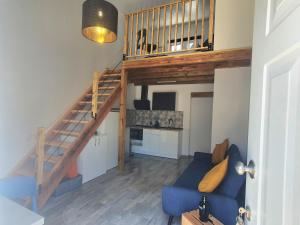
(65, 140)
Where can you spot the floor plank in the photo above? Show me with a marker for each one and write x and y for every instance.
(132, 197)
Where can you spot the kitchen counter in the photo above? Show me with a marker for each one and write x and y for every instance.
(155, 128)
(161, 142)
(12, 213)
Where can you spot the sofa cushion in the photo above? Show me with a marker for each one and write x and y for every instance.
(232, 182)
(193, 174)
(202, 157)
(214, 177)
(219, 152)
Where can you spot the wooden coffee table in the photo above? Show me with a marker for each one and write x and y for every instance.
(192, 218)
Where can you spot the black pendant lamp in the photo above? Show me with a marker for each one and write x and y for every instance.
(99, 21)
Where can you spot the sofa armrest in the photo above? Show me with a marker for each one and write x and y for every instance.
(177, 200)
(202, 156)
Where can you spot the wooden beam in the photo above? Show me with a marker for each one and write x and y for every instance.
(189, 75)
(228, 58)
(174, 83)
(202, 94)
(168, 71)
(177, 80)
(122, 121)
(182, 68)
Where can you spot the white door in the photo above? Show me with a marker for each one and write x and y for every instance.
(92, 161)
(112, 127)
(274, 127)
(200, 124)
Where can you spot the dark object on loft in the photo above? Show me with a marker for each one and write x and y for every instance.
(148, 48)
(99, 21)
(178, 40)
(205, 43)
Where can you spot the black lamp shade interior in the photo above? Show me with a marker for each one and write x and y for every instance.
(99, 21)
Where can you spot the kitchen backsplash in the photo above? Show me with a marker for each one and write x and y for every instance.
(172, 119)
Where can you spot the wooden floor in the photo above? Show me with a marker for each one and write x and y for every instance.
(132, 197)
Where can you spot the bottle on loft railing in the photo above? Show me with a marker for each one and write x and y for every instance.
(179, 26)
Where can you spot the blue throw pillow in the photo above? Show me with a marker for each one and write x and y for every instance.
(232, 182)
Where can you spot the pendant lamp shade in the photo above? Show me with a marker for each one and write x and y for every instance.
(99, 21)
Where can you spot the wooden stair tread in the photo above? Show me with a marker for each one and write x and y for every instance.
(76, 121)
(67, 133)
(107, 88)
(100, 94)
(89, 102)
(80, 111)
(109, 81)
(107, 72)
(112, 75)
(51, 159)
(58, 144)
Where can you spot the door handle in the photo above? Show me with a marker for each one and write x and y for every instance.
(243, 212)
(241, 168)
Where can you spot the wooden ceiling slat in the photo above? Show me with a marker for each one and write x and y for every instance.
(177, 80)
(170, 75)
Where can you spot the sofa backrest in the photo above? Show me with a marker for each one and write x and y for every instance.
(232, 182)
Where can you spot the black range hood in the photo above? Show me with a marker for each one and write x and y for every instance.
(144, 103)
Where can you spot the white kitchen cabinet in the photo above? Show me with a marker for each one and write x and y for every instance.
(159, 142)
(101, 153)
(169, 140)
(151, 141)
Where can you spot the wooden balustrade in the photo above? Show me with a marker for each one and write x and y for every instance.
(182, 25)
(40, 156)
(96, 78)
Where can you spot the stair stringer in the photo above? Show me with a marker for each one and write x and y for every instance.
(60, 171)
(55, 125)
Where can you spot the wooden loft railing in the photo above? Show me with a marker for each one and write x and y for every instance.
(185, 25)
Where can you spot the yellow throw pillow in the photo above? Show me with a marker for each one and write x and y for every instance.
(219, 152)
(214, 177)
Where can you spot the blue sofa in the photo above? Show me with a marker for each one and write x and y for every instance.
(225, 201)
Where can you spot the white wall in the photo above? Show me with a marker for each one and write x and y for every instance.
(233, 24)
(233, 29)
(231, 107)
(183, 103)
(200, 125)
(46, 64)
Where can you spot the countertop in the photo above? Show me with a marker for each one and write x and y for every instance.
(13, 214)
(156, 128)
